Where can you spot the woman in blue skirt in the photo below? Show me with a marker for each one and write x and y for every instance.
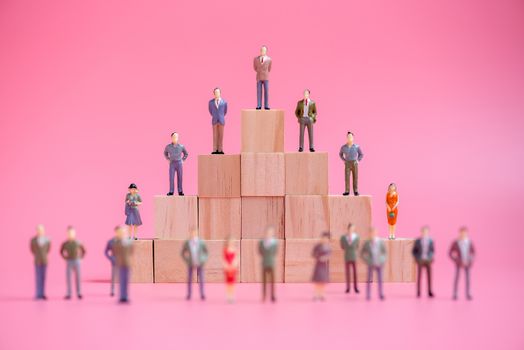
(133, 220)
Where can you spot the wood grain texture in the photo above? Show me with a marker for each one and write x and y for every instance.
(346, 209)
(219, 175)
(142, 261)
(299, 263)
(306, 173)
(219, 218)
(169, 266)
(262, 174)
(400, 266)
(262, 131)
(260, 212)
(251, 263)
(175, 216)
(306, 216)
(214, 268)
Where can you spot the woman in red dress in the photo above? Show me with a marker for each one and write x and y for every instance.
(230, 269)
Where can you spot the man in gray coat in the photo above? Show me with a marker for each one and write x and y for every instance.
(374, 254)
(194, 253)
(350, 243)
(176, 154)
(262, 65)
(268, 248)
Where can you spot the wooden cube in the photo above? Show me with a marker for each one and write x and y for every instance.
(306, 173)
(219, 175)
(219, 218)
(299, 262)
(400, 266)
(169, 265)
(261, 212)
(262, 174)
(251, 263)
(337, 265)
(214, 268)
(349, 209)
(306, 216)
(142, 261)
(262, 131)
(175, 216)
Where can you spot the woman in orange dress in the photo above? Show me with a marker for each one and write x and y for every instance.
(230, 269)
(392, 208)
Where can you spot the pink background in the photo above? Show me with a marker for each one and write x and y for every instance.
(91, 90)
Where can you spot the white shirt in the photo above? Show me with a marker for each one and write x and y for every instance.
(268, 242)
(306, 107)
(375, 251)
(217, 102)
(41, 240)
(424, 241)
(464, 249)
(193, 247)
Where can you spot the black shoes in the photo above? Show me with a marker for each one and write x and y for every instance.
(214, 152)
(301, 149)
(259, 108)
(123, 301)
(348, 290)
(345, 194)
(430, 294)
(180, 193)
(67, 297)
(311, 150)
(266, 108)
(79, 297)
(356, 194)
(169, 193)
(357, 291)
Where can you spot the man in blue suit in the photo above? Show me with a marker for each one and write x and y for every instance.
(218, 111)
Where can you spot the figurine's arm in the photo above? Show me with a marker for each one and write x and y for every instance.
(431, 250)
(341, 154)
(82, 250)
(297, 110)
(138, 200)
(396, 204)
(32, 246)
(109, 250)
(185, 252)
(453, 254)
(209, 108)
(166, 153)
(225, 108)
(184, 151)
(63, 251)
(472, 253)
(314, 112)
(269, 65)
(360, 154)
(205, 251)
(415, 250)
(255, 64)
(343, 243)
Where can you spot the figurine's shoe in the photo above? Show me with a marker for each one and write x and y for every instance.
(348, 290)
(431, 295)
(214, 152)
(123, 301)
(80, 297)
(273, 299)
(267, 108)
(112, 294)
(455, 297)
(469, 297)
(180, 193)
(345, 194)
(220, 152)
(357, 291)
(301, 149)
(382, 297)
(43, 297)
(311, 150)
(356, 194)
(188, 297)
(259, 108)
(203, 297)
(169, 193)
(67, 297)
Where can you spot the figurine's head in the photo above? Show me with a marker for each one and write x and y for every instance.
(71, 233)
(424, 231)
(217, 92)
(132, 188)
(270, 232)
(194, 234)
(263, 50)
(121, 232)
(306, 94)
(373, 232)
(40, 230)
(351, 228)
(392, 187)
(463, 232)
(325, 237)
(174, 137)
(350, 138)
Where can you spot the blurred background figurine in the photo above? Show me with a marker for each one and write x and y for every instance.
(423, 251)
(194, 253)
(268, 248)
(230, 268)
(176, 154)
(321, 253)
(262, 65)
(218, 110)
(110, 254)
(462, 252)
(351, 154)
(392, 209)
(40, 246)
(73, 252)
(123, 250)
(306, 113)
(374, 254)
(350, 243)
(133, 220)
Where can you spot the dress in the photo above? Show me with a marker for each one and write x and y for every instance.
(321, 253)
(132, 213)
(392, 200)
(231, 271)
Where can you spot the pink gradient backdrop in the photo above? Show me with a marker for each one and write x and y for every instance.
(90, 91)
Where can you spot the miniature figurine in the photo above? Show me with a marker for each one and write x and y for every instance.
(423, 251)
(392, 208)
(306, 113)
(321, 253)
(350, 243)
(133, 220)
(218, 111)
(462, 252)
(351, 154)
(73, 252)
(374, 254)
(268, 248)
(230, 269)
(40, 246)
(194, 253)
(110, 254)
(176, 154)
(123, 249)
(262, 65)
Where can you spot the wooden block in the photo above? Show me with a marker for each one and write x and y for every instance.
(262, 131)
(346, 209)
(260, 212)
(251, 263)
(175, 216)
(214, 268)
(306, 173)
(400, 266)
(219, 218)
(142, 261)
(263, 174)
(306, 216)
(299, 263)
(337, 268)
(169, 266)
(219, 175)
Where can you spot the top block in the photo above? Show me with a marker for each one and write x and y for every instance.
(219, 175)
(262, 131)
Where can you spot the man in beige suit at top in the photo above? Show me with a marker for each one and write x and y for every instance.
(262, 65)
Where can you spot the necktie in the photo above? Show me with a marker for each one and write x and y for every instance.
(305, 102)
(261, 59)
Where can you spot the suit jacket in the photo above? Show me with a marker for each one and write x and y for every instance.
(262, 69)
(72, 250)
(417, 250)
(268, 253)
(456, 256)
(201, 253)
(312, 111)
(366, 253)
(122, 250)
(40, 251)
(350, 249)
(218, 114)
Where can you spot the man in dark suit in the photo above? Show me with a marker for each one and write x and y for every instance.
(218, 111)
(423, 252)
(306, 113)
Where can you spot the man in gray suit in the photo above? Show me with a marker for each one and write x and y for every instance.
(349, 243)
(374, 254)
(262, 65)
(194, 253)
(268, 248)
(306, 113)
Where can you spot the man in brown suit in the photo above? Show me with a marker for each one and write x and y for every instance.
(262, 65)
(40, 246)
(306, 113)
(72, 251)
